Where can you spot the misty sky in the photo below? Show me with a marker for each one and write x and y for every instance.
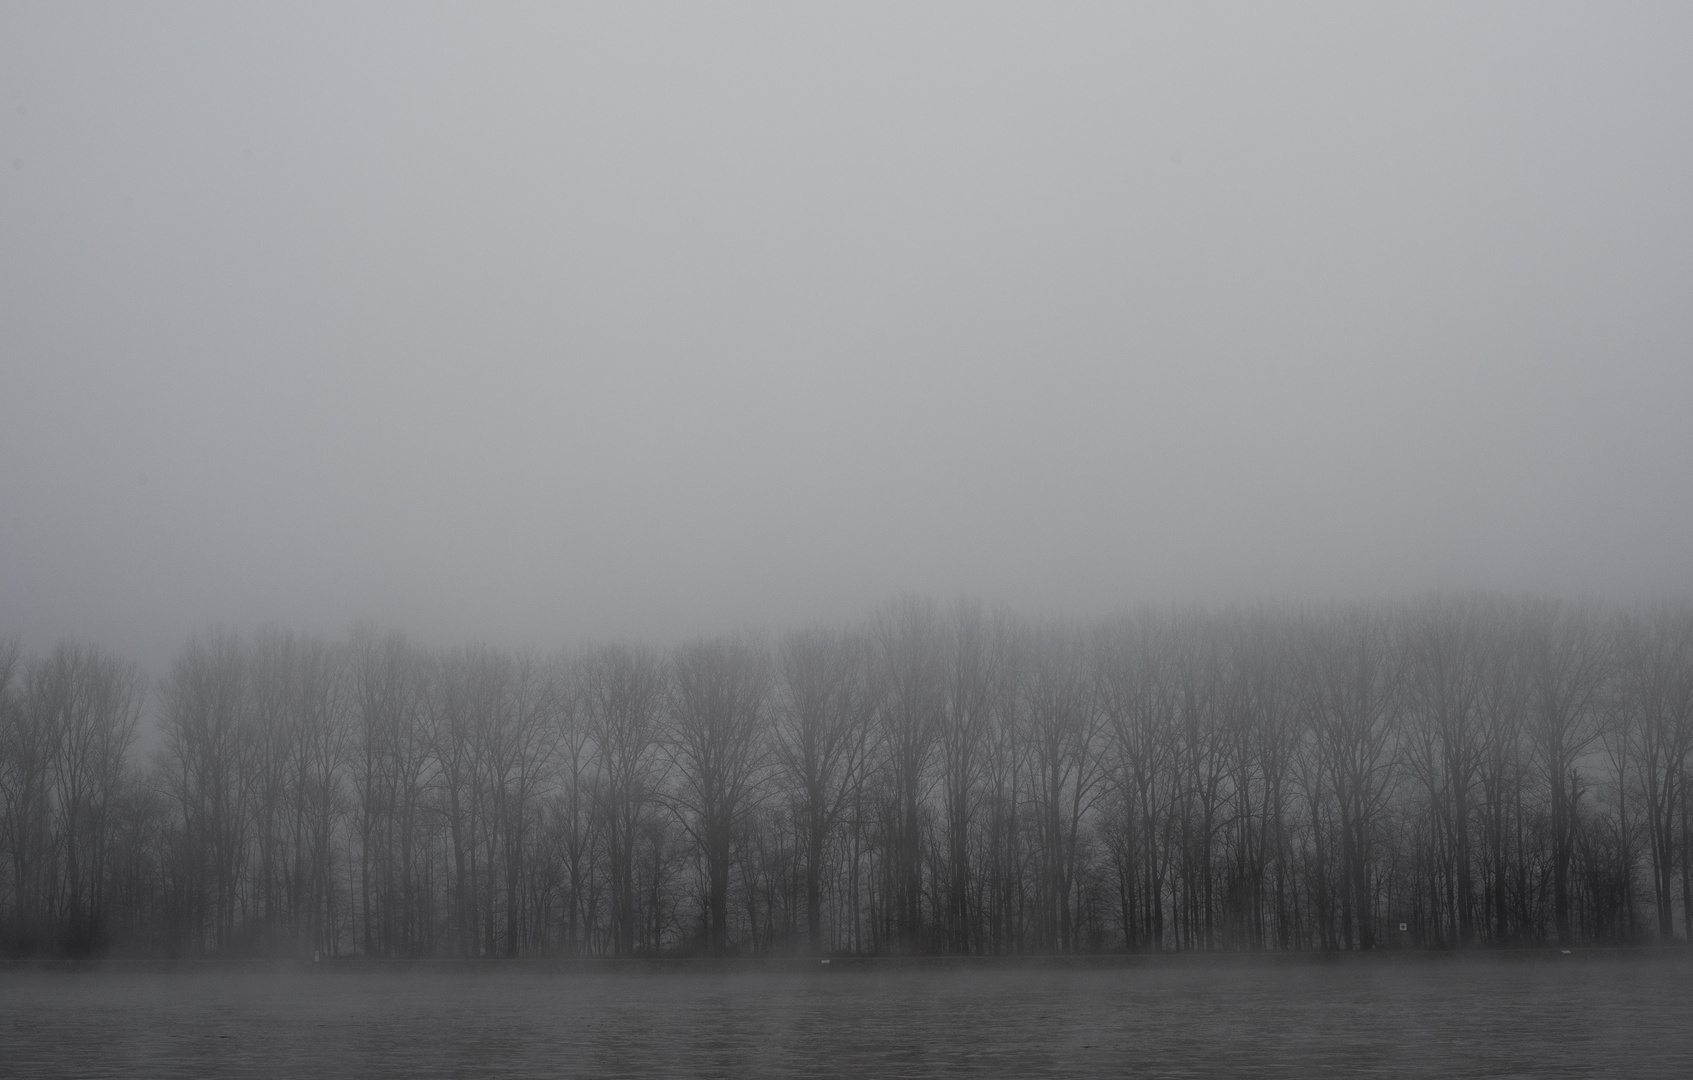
(529, 324)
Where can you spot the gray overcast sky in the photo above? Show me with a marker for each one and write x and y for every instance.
(529, 324)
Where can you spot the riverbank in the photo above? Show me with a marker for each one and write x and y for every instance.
(1104, 961)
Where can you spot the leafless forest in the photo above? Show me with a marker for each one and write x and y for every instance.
(939, 779)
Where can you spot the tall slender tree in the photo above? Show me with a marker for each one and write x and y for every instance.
(825, 703)
(715, 738)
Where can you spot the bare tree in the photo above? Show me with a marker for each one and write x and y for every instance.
(1447, 652)
(99, 709)
(1259, 746)
(1132, 678)
(1350, 687)
(1002, 905)
(715, 739)
(521, 751)
(975, 655)
(1201, 768)
(822, 728)
(466, 701)
(1655, 676)
(389, 683)
(1567, 662)
(208, 748)
(1067, 770)
(622, 690)
(318, 699)
(909, 658)
(1504, 703)
(270, 674)
(939, 780)
(28, 745)
(572, 812)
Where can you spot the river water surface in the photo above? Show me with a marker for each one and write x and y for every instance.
(1551, 1015)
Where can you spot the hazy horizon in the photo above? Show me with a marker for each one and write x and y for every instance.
(531, 326)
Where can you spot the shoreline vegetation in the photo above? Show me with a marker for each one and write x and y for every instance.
(794, 964)
(1454, 776)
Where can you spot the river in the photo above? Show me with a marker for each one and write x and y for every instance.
(1527, 1015)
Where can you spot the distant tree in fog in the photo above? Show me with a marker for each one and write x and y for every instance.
(571, 817)
(1067, 770)
(27, 743)
(1475, 770)
(825, 703)
(1655, 689)
(522, 745)
(1350, 686)
(318, 703)
(622, 695)
(1565, 653)
(977, 654)
(64, 735)
(1132, 660)
(209, 751)
(715, 736)
(1446, 650)
(391, 683)
(1505, 774)
(299, 703)
(909, 658)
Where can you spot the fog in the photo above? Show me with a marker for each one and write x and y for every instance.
(532, 325)
(1587, 1015)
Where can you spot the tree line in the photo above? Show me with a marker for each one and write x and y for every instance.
(935, 779)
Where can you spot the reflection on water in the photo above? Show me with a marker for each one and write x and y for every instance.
(1532, 1016)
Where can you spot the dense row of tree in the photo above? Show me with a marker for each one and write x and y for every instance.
(953, 780)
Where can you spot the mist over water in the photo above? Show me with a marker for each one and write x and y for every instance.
(1580, 1016)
